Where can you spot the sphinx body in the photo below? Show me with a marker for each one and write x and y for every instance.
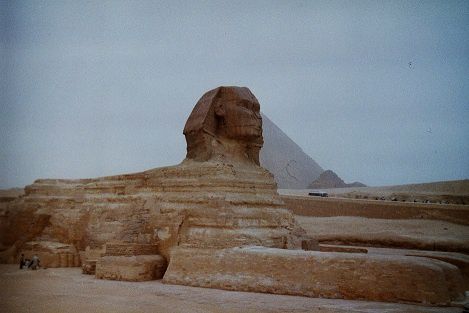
(218, 196)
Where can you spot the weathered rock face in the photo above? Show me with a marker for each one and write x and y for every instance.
(318, 274)
(131, 268)
(225, 125)
(217, 197)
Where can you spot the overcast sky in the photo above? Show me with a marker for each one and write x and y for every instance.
(377, 91)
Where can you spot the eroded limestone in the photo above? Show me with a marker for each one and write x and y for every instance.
(318, 274)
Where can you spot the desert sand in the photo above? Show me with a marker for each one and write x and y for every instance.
(456, 192)
(67, 290)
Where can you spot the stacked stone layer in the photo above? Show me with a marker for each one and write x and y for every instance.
(131, 268)
(209, 204)
(123, 249)
(318, 274)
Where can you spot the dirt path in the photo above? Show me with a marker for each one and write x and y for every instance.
(67, 290)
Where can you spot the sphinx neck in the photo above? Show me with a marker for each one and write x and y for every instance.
(234, 152)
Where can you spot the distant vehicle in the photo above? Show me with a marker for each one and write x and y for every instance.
(318, 194)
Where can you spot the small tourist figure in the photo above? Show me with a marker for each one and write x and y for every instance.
(35, 262)
(27, 262)
(21, 261)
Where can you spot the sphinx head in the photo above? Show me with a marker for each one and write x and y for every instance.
(225, 123)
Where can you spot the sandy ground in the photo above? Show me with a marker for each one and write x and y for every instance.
(455, 192)
(67, 290)
(457, 187)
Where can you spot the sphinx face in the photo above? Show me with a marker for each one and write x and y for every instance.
(226, 122)
(240, 119)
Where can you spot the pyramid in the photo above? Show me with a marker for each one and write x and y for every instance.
(290, 165)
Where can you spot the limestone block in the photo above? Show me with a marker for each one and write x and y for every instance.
(131, 268)
(129, 249)
(317, 274)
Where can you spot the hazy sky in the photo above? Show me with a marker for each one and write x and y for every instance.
(377, 91)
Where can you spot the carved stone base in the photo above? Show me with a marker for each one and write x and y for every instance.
(131, 268)
(318, 274)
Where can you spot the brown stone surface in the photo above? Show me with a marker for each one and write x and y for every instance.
(126, 249)
(459, 260)
(225, 123)
(131, 268)
(318, 274)
(196, 204)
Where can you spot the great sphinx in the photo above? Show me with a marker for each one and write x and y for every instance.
(216, 219)
(218, 196)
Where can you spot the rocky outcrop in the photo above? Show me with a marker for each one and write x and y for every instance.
(329, 179)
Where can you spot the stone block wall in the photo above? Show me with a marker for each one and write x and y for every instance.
(131, 268)
(129, 249)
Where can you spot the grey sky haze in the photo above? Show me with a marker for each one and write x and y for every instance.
(378, 91)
